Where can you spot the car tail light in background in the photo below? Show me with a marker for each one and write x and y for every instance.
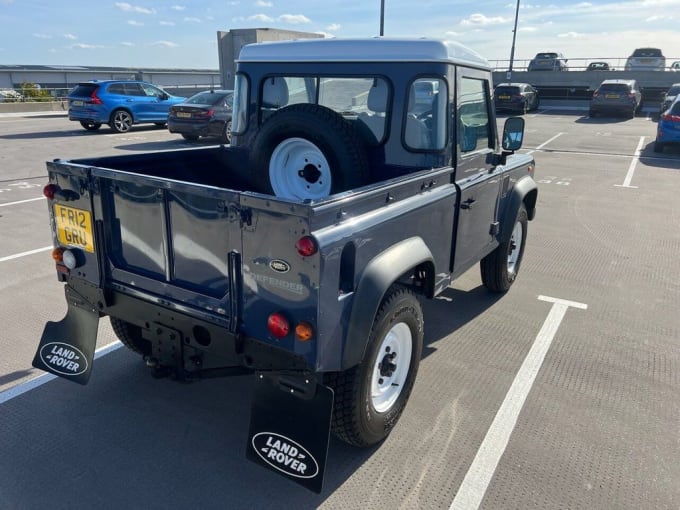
(306, 246)
(304, 331)
(206, 113)
(94, 99)
(670, 117)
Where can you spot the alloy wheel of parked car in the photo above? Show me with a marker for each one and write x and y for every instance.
(226, 135)
(121, 121)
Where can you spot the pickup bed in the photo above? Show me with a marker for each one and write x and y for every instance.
(302, 252)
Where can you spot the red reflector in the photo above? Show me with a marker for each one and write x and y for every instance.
(306, 246)
(94, 99)
(50, 190)
(278, 325)
(672, 118)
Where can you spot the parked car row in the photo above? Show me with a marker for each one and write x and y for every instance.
(123, 103)
(642, 59)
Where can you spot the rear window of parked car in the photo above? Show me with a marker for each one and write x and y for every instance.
(647, 52)
(83, 90)
(614, 87)
(546, 55)
(507, 90)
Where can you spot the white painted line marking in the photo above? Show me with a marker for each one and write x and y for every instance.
(18, 255)
(544, 143)
(22, 201)
(631, 168)
(36, 382)
(476, 481)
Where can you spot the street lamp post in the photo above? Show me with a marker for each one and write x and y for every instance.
(514, 34)
(382, 17)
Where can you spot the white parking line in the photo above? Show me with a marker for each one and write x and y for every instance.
(36, 382)
(22, 201)
(544, 143)
(476, 481)
(631, 168)
(23, 254)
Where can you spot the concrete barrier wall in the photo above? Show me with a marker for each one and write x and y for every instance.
(24, 107)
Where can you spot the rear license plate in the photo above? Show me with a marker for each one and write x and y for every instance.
(504, 97)
(77, 103)
(183, 115)
(611, 96)
(74, 227)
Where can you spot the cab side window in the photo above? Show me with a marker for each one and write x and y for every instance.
(425, 126)
(474, 128)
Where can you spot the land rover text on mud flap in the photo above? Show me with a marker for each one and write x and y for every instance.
(363, 176)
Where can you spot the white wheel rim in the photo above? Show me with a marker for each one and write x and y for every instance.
(391, 367)
(515, 248)
(299, 170)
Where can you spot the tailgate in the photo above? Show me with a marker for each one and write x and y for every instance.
(173, 239)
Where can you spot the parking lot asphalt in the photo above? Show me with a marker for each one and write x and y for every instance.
(563, 393)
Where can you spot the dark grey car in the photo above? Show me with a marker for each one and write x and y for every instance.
(616, 96)
(204, 114)
(548, 61)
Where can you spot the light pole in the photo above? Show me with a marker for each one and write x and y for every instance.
(514, 34)
(382, 18)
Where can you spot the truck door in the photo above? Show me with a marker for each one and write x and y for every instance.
(477, 179)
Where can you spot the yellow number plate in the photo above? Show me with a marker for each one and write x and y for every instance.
(74, 227)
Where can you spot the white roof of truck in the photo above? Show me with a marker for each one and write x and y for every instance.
(377, 49)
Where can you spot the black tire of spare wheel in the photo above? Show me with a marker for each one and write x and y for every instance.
(355, 419)
(328, 130)
(131, 336)
(496, 275)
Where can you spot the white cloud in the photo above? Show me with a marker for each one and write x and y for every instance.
(527, 29)
(263, 3)
(125, 43)
(70, 37)
(260, 17)
(167, 23)
(82, 46)
(294, 19)
(333, 27)
(165, 44)
(177, 7)
(42, 36)
(192, 19)
(571, 35)
(126, 7)
(478, 19)
(135, 23)
(452, 34)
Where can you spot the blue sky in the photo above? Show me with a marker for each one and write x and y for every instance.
(172, 33)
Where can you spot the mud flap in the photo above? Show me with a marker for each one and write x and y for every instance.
(290, 426)
(67, 347)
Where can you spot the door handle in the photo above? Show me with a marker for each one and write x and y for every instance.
(468, 203)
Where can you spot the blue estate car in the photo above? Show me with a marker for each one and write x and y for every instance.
(119, 103)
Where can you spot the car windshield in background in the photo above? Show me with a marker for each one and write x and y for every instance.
(547, 55)
(207, 98)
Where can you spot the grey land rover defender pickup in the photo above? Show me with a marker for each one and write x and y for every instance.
(364, 175)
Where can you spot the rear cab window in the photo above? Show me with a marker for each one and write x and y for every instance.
(474, 127)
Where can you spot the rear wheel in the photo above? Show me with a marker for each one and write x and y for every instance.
(370, 397)
(89, 125)
(226, 133)
(500, 267)
(131, 336)
(121, 121)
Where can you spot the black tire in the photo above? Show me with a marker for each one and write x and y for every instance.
(500, 267)
(160, 124)
(121, 121)
(191, 138)
(592, 114)
(337, 152)
(356, 420)
(90, 126)
(131, 336)
(658, 146)
(537, 103)
(525, 107)
(226, 133)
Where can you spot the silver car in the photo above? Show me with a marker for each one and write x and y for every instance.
(548, 61)
(646, 59)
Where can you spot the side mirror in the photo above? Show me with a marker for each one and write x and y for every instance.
(513, 133)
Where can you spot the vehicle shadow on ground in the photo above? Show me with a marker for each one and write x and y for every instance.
(586, 119)
(669, 158)
(127, 440)
(178, 143)
(79, 132)
(459, 307)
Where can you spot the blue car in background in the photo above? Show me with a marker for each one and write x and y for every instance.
(119, 103)
(668, 128)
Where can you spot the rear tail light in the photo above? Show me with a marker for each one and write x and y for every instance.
(50, 190)
(304, 331)
(94, 99)
(671, 117)
(278, 325)
(209, 113)
(306, 246)
(67, 257)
